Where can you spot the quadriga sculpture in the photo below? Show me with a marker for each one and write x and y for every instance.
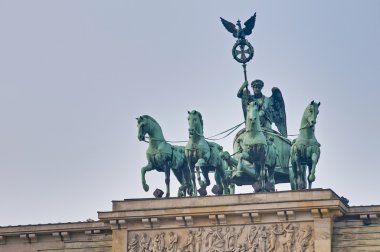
(204, 155)
(163, 156)
(305, 150)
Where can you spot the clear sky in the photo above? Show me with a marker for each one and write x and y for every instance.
(74, 75)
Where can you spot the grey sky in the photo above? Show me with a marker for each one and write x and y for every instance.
(76, 74)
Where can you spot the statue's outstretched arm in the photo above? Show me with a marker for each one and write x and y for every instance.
(241, 90)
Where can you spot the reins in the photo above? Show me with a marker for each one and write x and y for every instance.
(228, 131)
(212, 138)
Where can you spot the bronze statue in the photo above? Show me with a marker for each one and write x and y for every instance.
(262, 156)
(204, 155)
(271, 109)
(305, 149)
(237, 31)
(163, 156)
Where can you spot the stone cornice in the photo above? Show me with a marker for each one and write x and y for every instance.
(51, 228)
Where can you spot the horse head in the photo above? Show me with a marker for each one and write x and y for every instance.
(253, 118)
(195, 123)
(143, 127)
(310, 114)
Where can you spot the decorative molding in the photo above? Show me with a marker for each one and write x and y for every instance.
(28, 238)
(118, 224)
(61, 236)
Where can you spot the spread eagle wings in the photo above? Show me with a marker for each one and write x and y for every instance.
(229, 26)
(247, 30)
(249, 25)
(277, 111)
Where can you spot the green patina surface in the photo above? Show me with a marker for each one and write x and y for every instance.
(262, 156)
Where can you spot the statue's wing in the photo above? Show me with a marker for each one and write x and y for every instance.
(277, 111)
(229, 26)
(249, 25)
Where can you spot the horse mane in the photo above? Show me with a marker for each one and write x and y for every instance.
(200, 116)
(150, 118)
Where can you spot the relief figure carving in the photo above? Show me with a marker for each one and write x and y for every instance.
(133, 245)
(173, 241)
(189, 245)
(198, 239)
(145, 243)
(280, 237)
(215, 240)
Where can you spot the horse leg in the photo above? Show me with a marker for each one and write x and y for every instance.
(292, 177)
(264, 177)
(220, 170)
(304, 180)
(272, 180)
(167, 181)
(146, 168)
(299, 171)
(239, 168)
(192, 171)
(178, 173)
(218, 181)
(206, 182)
(314, 161)
(292, 169)
(187, 180)
(309, 166)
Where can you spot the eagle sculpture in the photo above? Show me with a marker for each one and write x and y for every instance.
(236, 30)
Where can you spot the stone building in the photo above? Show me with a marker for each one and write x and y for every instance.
(312, 220)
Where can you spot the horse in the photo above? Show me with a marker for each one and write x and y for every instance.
(277, 162)
(305, 150)
(257, 152)
(204, 155)
(163, 156)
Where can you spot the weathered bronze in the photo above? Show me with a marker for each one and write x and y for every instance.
(256, 151)
(237, 31)
(242, 51)
(305, 150)
(270, 109)
(203, 156)
(163, 156)
(262, 156)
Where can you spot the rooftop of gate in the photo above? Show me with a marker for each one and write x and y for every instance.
(237, 199)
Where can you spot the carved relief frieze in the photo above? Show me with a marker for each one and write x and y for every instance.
(279, 237)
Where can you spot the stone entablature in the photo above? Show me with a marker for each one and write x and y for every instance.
(91, 236)
(303, 220)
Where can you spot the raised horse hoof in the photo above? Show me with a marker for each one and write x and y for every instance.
(146, 187)
(311, 178)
